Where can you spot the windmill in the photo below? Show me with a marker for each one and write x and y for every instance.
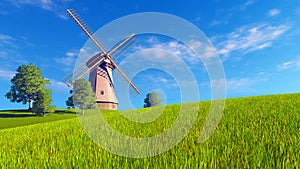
(100, 67)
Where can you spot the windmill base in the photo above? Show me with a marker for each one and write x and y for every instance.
(107, 105)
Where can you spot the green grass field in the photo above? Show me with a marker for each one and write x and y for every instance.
(17, 118)
(254, 132)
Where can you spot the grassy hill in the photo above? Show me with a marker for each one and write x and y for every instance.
(255, 132)
(17, 118)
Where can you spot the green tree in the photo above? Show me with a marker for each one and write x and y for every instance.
(83, 95)
(152, 99)
(69, 102)
(27, 82)
(43, 101)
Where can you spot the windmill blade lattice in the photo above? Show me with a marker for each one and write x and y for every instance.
(125, 84)
(82, 69)
(115, 55)
(87, 30)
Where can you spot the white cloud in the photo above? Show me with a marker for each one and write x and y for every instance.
(195, 44)
(3, 54)
(234, 84)
(181, 51)
(216, 22)
(249, 38)
(237, 85)
(241, 85)
(55, 6)
(288, 65)
(163, 80)
(198, 18)
(5, 37)
(10, 50)
(71, 54)
(6, 40)
(6, 74)
(173, 54)
(82, 50)
(209, 52)
(273, 12)
(246, 4)
(152, 40)
(261, 73)
(58, 85)
(156, 80)
(69, 59)
(297, 10)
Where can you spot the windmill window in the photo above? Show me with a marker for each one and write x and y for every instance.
(101, 92)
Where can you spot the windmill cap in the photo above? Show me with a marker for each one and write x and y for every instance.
(91, 62)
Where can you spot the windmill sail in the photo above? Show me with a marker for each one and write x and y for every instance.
(82, 69)
(118, 52)
(125, 84)
(86, 29)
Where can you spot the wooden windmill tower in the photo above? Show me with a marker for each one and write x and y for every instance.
(100, 67)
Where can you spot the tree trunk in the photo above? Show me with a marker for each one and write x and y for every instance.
(82, 111)
(30, 104)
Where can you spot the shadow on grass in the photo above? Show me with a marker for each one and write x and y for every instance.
(64, 112)
(16, 111)
(21, 113)
(16, 115)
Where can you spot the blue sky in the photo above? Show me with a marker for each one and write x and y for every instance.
(257, 41)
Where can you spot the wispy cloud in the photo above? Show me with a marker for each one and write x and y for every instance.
(273, 12)
(58, 85)
(182, 51)
(225, 14)
(218, 22)
(71, 54)
(158, 81)
(10, 50)
(297, 10)
(261, 73)
(249, 38)
(6, 74)
(246, 4)
(6, 40)
(236, 85)
(3, 54)
(55, 6)
(243, 85)
(289, 65)
(68, 59)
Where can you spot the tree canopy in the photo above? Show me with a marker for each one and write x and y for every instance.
(26, 84)
(152, 99)
(69, 102)
(83, 95)
(43, 101)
